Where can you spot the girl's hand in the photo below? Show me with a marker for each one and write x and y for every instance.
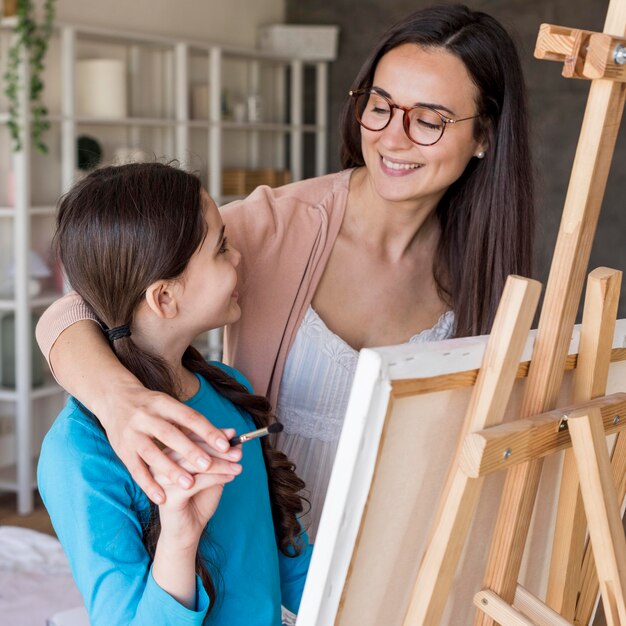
(135, 417)
(186, 512)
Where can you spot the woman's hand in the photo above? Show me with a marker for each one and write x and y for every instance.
(135, 417)
(184, 516)
(186, 512)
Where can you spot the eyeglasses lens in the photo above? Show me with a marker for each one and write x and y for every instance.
(373, 112)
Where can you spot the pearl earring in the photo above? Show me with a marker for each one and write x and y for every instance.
(480, 155)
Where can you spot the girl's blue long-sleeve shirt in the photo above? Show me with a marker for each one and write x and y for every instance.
(98, 513)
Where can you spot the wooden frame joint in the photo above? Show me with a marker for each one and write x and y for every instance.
(606, 58)
(584, 53)
(499, 447)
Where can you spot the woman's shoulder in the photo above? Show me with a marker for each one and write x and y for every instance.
(260, 222)
(321, 191)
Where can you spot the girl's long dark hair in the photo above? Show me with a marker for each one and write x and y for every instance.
(119, 230)
(487, 215)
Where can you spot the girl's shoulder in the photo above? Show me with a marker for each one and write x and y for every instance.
(76, 426)
(76, 453)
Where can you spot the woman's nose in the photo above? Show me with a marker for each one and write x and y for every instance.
(395, 131)
(235, 256)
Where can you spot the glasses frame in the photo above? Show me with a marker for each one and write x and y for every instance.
(445, 120)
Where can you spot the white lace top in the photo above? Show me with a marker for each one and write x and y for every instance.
(313, 398)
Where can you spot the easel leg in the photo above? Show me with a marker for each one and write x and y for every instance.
(461, 493)
(589, 579)
(603, 512)
(590, 379)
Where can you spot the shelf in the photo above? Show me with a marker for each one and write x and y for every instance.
(116, 121)
(7, 395)
(221, 200)
(47, 390)
(8, 477)
(140, 38)
(46, 299)
(8, 22)
(272, 127)
(43, 210)
(34, 211)
(125, 121)
(157, 122)
(269, 127)
(113, 121)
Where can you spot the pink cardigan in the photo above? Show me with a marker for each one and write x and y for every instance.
(285, 236)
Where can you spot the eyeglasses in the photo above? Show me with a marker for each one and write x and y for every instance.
(423, 125)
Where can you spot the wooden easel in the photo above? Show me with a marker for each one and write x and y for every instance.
(588, 490)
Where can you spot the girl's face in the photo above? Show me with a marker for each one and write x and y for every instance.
(209, 282)
(398, 169)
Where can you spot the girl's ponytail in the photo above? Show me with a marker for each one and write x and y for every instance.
(284, 484)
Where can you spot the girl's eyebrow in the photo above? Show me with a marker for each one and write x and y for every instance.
(220, 236)
(431, 105)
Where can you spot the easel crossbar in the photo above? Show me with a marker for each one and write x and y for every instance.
(527, 610)
(502, 446)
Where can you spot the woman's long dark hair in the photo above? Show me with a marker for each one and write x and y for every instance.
(119, 230)
(487, 216)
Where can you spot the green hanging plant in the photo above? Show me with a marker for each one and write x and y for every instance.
(31, 40)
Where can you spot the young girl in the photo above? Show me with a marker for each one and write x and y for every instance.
(145, 246)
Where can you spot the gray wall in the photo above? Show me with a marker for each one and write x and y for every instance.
(557, 104)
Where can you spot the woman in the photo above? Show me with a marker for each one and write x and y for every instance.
(413, 241)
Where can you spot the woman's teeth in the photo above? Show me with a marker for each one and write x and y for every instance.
(400, 166)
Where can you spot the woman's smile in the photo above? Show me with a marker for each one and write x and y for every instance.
(393, 167)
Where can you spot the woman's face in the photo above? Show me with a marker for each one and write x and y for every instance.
(209, 282)
(399, 169)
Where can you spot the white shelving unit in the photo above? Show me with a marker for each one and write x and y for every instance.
(278, 137)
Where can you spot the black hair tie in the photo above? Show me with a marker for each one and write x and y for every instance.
(118, 332)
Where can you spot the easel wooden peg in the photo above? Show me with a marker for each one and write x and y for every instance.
(584, 54)
(566, 45)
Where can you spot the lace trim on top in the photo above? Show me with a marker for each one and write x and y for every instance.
(320, 367)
